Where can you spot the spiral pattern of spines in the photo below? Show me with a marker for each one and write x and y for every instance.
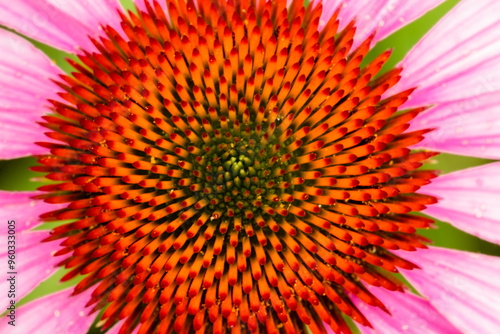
(230, 166)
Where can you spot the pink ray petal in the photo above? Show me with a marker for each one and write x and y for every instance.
(409, 314)
(468, 199)
(25, 74)
(34, 262)
(468, 127)
(57, 313)
(456, 66)
(20, 206)
(65, 25)
(462, 286)
(466, 37)
(384, 17)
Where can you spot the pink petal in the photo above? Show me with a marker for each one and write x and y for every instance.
(20, 206)
(469, 200)
(455, 67)
(409, 314)
(25, 74)
(384, 17)
(65, 25)
(462, 286)
(462, 45)
(468, 127)
(34, 262)
(57, 313)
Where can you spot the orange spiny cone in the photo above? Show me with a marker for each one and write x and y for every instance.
(228, 167)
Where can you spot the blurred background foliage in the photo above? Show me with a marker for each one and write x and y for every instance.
(15, 174)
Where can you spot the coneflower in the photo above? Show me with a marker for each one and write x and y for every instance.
(235, 167)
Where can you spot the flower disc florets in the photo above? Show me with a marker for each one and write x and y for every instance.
(228, 166)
